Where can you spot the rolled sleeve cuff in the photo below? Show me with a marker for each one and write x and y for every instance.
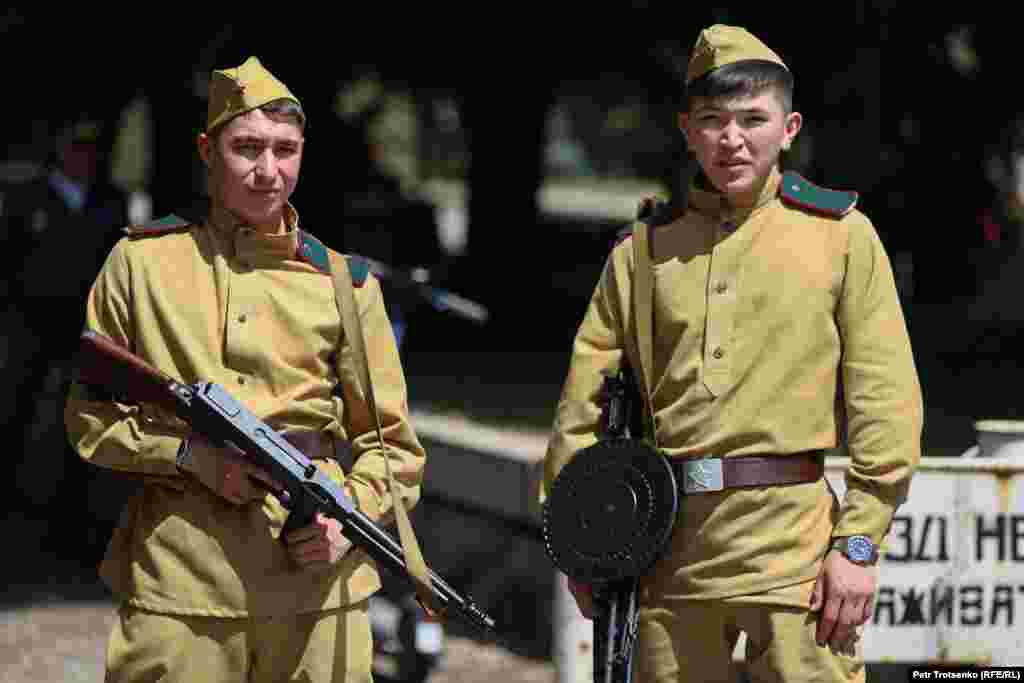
(864, 514)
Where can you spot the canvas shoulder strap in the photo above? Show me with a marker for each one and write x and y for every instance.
(643, 293)
(344, 295)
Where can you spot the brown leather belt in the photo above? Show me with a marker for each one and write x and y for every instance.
(704, 475)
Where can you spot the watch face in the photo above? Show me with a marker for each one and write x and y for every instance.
(860, 549)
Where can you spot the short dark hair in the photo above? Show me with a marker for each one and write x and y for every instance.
(283, 108)
(743, 79)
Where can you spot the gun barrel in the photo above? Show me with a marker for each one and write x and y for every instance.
(383, 548)
(461, 306)
(441, 299)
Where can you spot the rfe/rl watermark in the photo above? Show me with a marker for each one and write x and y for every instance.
(996, 673)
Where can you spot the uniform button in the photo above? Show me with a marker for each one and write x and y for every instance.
(718, 352)
(242, 318)
(241, 380)
(721, 287)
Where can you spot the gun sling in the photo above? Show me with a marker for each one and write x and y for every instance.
(344, 297)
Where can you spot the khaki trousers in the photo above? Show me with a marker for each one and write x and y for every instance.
(694, 640)
(326, 647)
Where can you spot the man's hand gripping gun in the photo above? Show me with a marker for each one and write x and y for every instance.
(211, 411)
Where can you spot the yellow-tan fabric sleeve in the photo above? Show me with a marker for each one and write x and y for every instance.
(104, 432)
(882, 393)
(597, 351)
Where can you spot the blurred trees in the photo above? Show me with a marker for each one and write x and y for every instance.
(905, 107)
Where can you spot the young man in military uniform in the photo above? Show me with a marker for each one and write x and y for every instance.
(211, 592)
(776, 328)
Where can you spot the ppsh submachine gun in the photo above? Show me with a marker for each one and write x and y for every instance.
(608, 519)
(210, 410)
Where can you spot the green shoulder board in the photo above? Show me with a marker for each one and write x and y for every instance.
(800, 192)
(160, 226)
(314, 252)
(360, 269)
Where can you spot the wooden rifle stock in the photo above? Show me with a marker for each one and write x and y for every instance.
(103, 363)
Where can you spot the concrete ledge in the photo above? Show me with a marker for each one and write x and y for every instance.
(1001, 466)
(497, 469)
(492, 469)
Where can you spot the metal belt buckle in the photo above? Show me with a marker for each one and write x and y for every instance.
(702, 475)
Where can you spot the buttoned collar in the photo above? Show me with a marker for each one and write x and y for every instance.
(251, 245)
(705, 199)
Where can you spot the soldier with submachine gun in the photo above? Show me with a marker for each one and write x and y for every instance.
(229, 363)
(761, 324)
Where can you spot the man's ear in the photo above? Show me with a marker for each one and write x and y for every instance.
(794, 122)
(684, 123)
(203, 143)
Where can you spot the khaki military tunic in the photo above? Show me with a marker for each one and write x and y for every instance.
(761, 314)
(223, 303)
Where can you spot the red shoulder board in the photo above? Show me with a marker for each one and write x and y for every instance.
(170, 223)
(797, 191)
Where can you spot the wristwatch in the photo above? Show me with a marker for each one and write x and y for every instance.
(857, 549)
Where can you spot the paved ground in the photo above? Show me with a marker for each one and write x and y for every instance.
(54, 643)
(55, 615)
(65, 642)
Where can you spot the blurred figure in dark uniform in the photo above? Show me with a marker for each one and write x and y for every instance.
(59, 220)
(384, 217)
(1002, 224)
(998, 320)
(387, 220)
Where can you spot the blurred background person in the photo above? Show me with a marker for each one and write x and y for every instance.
(59, 221)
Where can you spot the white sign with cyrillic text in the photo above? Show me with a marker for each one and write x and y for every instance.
(951, 578)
